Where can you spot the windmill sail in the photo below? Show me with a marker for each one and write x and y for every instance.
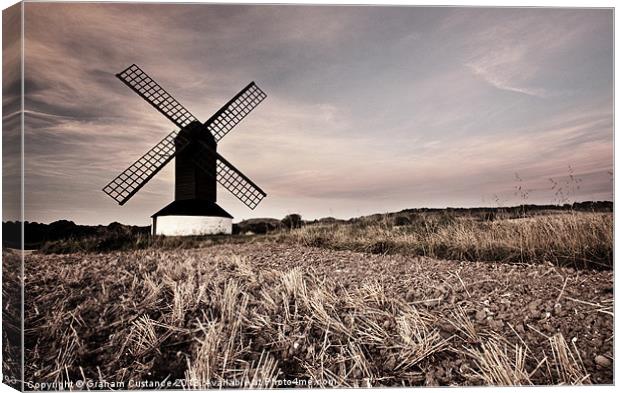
(235, 110)
(154, 94)
(230, 177)
(132, 179)
(199, 166)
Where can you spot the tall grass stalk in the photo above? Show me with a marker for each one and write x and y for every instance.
(582, 240)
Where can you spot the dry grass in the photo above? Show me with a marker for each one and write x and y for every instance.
(577, 239)
(11, 319)
(499, 364)
(129, 241)
(567, 361)
(571, 238)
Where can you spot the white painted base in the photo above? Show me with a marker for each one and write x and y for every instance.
(191, 225)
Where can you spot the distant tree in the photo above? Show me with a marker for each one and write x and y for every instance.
(292, 221)
(62, 225)
(258, 226)
(116, 226)
(327, 220)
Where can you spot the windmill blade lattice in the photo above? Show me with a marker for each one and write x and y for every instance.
(229, 177)
(235, 110)
(154, 94)
(132, 179)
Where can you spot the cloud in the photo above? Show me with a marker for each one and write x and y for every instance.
(368, 109)
(521, 50)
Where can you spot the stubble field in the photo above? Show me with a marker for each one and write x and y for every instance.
(274, 312)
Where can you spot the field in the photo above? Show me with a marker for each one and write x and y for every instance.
(421, 300)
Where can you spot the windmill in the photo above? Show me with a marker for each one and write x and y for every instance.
(198, 166)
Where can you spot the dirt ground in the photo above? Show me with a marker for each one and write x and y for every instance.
(521, 302)
(525, 304)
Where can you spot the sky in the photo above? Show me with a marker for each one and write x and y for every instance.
(369, 109)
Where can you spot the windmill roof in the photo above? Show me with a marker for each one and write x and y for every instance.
(193, 207)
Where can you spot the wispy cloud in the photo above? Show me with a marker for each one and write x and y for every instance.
(519, 50)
